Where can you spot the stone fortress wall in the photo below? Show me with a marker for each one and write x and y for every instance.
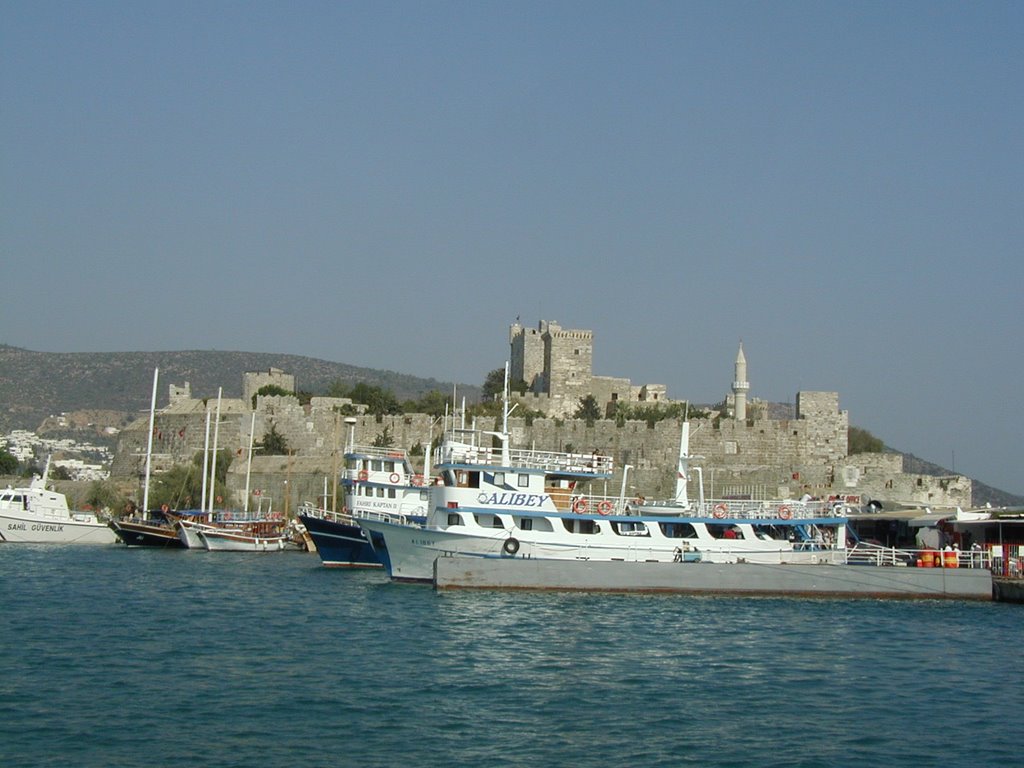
(756, 456)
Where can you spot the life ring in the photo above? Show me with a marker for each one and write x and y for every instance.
(394, 478)
(363, 475)
(164, 508)
(785, 512)
(511, 546)
(605, 507)
(720, 511)
(417, 480)
(580, 506)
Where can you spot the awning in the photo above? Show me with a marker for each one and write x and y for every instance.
(925, 521)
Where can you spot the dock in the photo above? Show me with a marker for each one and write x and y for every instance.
(820, 580)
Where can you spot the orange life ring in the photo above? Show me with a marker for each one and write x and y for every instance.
(363, 475)
(605, 507)
(580, 506)
(785, 512)
(417, 479)
(720, 511)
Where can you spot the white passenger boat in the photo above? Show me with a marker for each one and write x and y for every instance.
(37, 515)
(535, 504)
(379, 482)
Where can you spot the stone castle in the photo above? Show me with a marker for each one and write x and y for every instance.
(743, 451)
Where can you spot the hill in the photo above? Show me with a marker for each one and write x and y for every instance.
(35, 385)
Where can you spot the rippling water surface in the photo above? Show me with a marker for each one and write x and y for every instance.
(132, 657)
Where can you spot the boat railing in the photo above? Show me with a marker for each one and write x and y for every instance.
(548, 461)
(865, 553)
(382, 517)
(376, 452)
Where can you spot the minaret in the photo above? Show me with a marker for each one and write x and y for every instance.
(740, 386)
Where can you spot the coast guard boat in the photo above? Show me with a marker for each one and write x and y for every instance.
(37, 515)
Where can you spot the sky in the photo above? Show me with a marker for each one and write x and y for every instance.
(840, 186)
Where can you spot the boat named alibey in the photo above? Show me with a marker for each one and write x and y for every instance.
(514, 503)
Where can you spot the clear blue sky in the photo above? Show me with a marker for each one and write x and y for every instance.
(840, 185)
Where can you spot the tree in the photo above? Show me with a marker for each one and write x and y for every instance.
(384, 439)
(8, 463)
(588, 410)
(862, 441)
(272, 390)
(494, 384)
(377, 400)
(103, 494)
(274, 443)
(432, 403)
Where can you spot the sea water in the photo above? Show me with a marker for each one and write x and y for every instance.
(111, 656)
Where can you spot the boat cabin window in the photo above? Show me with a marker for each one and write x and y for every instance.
(678, 530)
(630, 529)
(380, 493)
(725, 531)
(533, 524)
(499, 478)
(466, 479)
(454, 518)
(576, 525)
(377, 465)
(524, 481)
(391, 493)
(489, 521)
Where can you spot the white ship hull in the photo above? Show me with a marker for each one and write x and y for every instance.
(32, 529)
(224, 541)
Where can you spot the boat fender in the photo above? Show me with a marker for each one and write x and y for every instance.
(511, 546)
(720, 511)
(605, 507)
(785, 512)
(580, 506)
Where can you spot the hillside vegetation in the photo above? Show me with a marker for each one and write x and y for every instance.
(35, 385)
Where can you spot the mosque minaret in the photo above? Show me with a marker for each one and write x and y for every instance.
(740, 386)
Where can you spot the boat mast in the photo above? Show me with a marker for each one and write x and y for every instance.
(248, 467)
(684, 466)
(213, 463)
(206, 459)
(149, 447)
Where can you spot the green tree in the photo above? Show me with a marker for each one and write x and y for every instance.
(274, 443)
(103, 494)
(8, 463)
(494, 383)
(862, 441)
(432, 403)
(588, 410)
(384, 439)
(378, 401)
(272, 390)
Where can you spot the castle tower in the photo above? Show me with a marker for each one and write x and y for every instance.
(527, 356)
(740, 387)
